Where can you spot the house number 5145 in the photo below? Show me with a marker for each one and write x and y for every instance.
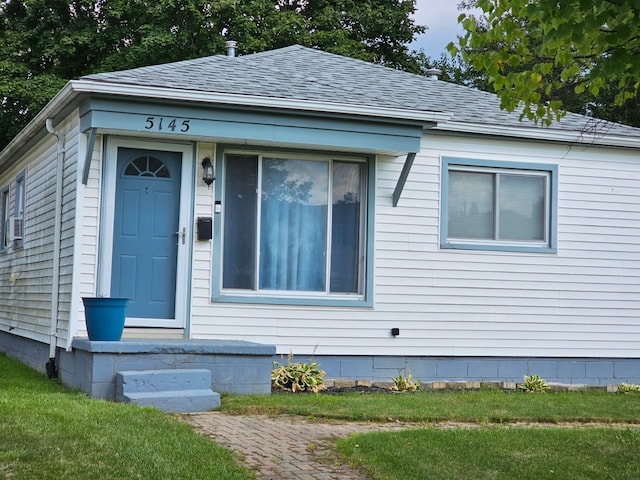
(171, 124)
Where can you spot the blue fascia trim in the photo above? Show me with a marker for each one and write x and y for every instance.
(538, 167)
(216, 122)
(216, 274)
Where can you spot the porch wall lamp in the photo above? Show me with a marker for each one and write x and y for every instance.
(207, 171)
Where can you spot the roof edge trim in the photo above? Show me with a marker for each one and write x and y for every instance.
(90, 86)
(544, 134)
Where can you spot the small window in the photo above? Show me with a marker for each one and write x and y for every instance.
(498, 206)
(147, 166)
(16, 224)
(4, 216)
(294, 226)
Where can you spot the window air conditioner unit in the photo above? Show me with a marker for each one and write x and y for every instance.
(16, 227)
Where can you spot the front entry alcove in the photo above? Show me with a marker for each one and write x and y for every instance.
(236, 366)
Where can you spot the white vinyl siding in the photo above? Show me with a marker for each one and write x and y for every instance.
(579, 302)
(27, 272)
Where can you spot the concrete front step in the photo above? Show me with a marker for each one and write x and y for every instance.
(175, 391)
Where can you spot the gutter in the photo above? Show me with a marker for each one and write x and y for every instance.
(52, 371)
(602, 139)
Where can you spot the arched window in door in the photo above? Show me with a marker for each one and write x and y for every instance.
(147, 166)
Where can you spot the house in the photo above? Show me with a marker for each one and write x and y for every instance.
(371, 218)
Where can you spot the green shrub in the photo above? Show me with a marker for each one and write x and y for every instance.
(297, 377)
(534, 384)
(628, 388)
(404, 383)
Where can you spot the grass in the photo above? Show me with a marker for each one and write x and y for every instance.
(481, 406)
(47, 432)
(496, 453)
(495, 450)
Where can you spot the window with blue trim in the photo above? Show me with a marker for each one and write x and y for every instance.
(4, 215)
(498, 205)
(294, 225)
(17, 222)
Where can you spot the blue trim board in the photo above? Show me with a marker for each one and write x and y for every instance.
(552, 169)
(254, 125)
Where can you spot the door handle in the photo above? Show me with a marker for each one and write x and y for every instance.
(181, 234)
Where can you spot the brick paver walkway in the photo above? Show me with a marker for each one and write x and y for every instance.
(285, 447)
(296, 448)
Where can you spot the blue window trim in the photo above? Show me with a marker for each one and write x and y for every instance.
(21, 178)
(551, 169)
(4, 216)
(365, 300)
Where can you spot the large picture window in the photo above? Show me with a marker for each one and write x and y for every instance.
(294, 225)
(500, 206)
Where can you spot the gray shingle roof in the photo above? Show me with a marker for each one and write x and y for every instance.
(300, 73)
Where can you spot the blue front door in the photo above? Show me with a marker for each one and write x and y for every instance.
(145, 225)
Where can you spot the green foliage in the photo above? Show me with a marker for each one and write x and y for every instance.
(628, 388)
(298, 376)
(49, 433)
(549, 56)
(534, 384)
(44, 43)
(404, 383)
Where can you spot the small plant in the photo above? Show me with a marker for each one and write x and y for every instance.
(628, 388)
(297, 377)
(534, 384)
(404, 383)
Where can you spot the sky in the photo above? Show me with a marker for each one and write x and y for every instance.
(441, 16)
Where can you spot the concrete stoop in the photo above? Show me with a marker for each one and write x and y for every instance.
(172, 391)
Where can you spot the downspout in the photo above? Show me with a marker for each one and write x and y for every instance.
(52, 369)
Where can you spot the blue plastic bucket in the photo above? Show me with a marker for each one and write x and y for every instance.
(105, 317)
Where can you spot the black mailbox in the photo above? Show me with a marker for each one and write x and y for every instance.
(205, 229)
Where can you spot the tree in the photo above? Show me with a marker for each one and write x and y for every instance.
(550, 56)
(44, 43)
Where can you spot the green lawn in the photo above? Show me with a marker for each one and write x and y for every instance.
(521, 453)
(47, 432)
(493, 449)
(482, 406)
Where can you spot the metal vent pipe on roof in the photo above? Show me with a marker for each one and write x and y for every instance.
(434, 73)
(231, 48)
